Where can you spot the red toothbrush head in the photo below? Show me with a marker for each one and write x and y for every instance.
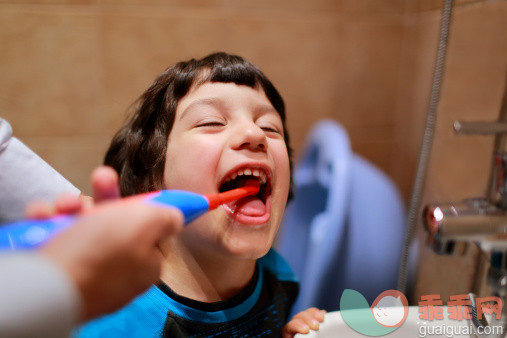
(250, 188)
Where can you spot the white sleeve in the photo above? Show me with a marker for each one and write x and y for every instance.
(37, 299)
(25, 177)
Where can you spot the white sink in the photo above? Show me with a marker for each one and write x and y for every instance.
(335, 326)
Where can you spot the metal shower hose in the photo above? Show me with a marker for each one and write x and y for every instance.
(424, 155)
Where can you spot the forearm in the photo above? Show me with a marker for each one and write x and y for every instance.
(37, 298)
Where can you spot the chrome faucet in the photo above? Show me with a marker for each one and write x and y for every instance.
(483, 221)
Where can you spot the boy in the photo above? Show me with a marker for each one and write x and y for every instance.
(206, 126)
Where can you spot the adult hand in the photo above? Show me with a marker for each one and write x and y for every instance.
(112, 254)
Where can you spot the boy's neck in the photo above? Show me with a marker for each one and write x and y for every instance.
(203, 276)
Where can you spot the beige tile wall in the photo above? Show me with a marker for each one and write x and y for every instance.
(71, 68)
(51, 84)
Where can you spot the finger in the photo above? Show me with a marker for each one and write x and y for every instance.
(163, 221)
(105, 184)
(309, 317)
(172, 222)
(296, 325)
(68, 204)
(39, 210)
(148, 223)
(86, 202)
(321, 315)
(316, 313)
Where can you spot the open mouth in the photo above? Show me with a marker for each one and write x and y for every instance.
(239, 178)
(250, 209)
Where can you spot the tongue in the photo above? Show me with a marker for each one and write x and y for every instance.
(249, 206)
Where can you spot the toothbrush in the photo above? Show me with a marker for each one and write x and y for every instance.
(31, 233)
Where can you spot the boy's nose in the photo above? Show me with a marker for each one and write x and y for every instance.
(250, 137)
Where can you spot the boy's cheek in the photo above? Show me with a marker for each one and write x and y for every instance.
(191, 169)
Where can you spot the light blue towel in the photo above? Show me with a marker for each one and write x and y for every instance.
(345, 227)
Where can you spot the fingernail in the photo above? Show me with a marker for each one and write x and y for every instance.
(305, 328)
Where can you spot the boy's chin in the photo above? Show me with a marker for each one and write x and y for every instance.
(248, 251)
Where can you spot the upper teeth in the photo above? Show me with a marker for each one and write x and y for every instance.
(250, 172)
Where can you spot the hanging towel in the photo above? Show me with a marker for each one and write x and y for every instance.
(345, 227)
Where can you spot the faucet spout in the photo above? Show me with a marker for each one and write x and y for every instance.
(474, 220)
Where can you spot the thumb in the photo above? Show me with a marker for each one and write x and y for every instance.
(105, 184)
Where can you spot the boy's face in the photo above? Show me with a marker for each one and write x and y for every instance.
(223, 133)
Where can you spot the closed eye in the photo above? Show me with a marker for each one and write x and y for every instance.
(270, 130)
(211, 124)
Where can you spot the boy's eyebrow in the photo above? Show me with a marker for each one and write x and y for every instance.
(205, 101)
(265, 108)
(216, 102)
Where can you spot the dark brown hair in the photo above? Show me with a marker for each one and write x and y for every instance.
(137, 151)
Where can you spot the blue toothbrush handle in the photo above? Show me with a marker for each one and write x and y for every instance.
(191, 204)
(31, 233)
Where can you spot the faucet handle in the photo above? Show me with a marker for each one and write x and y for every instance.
(480, 128)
